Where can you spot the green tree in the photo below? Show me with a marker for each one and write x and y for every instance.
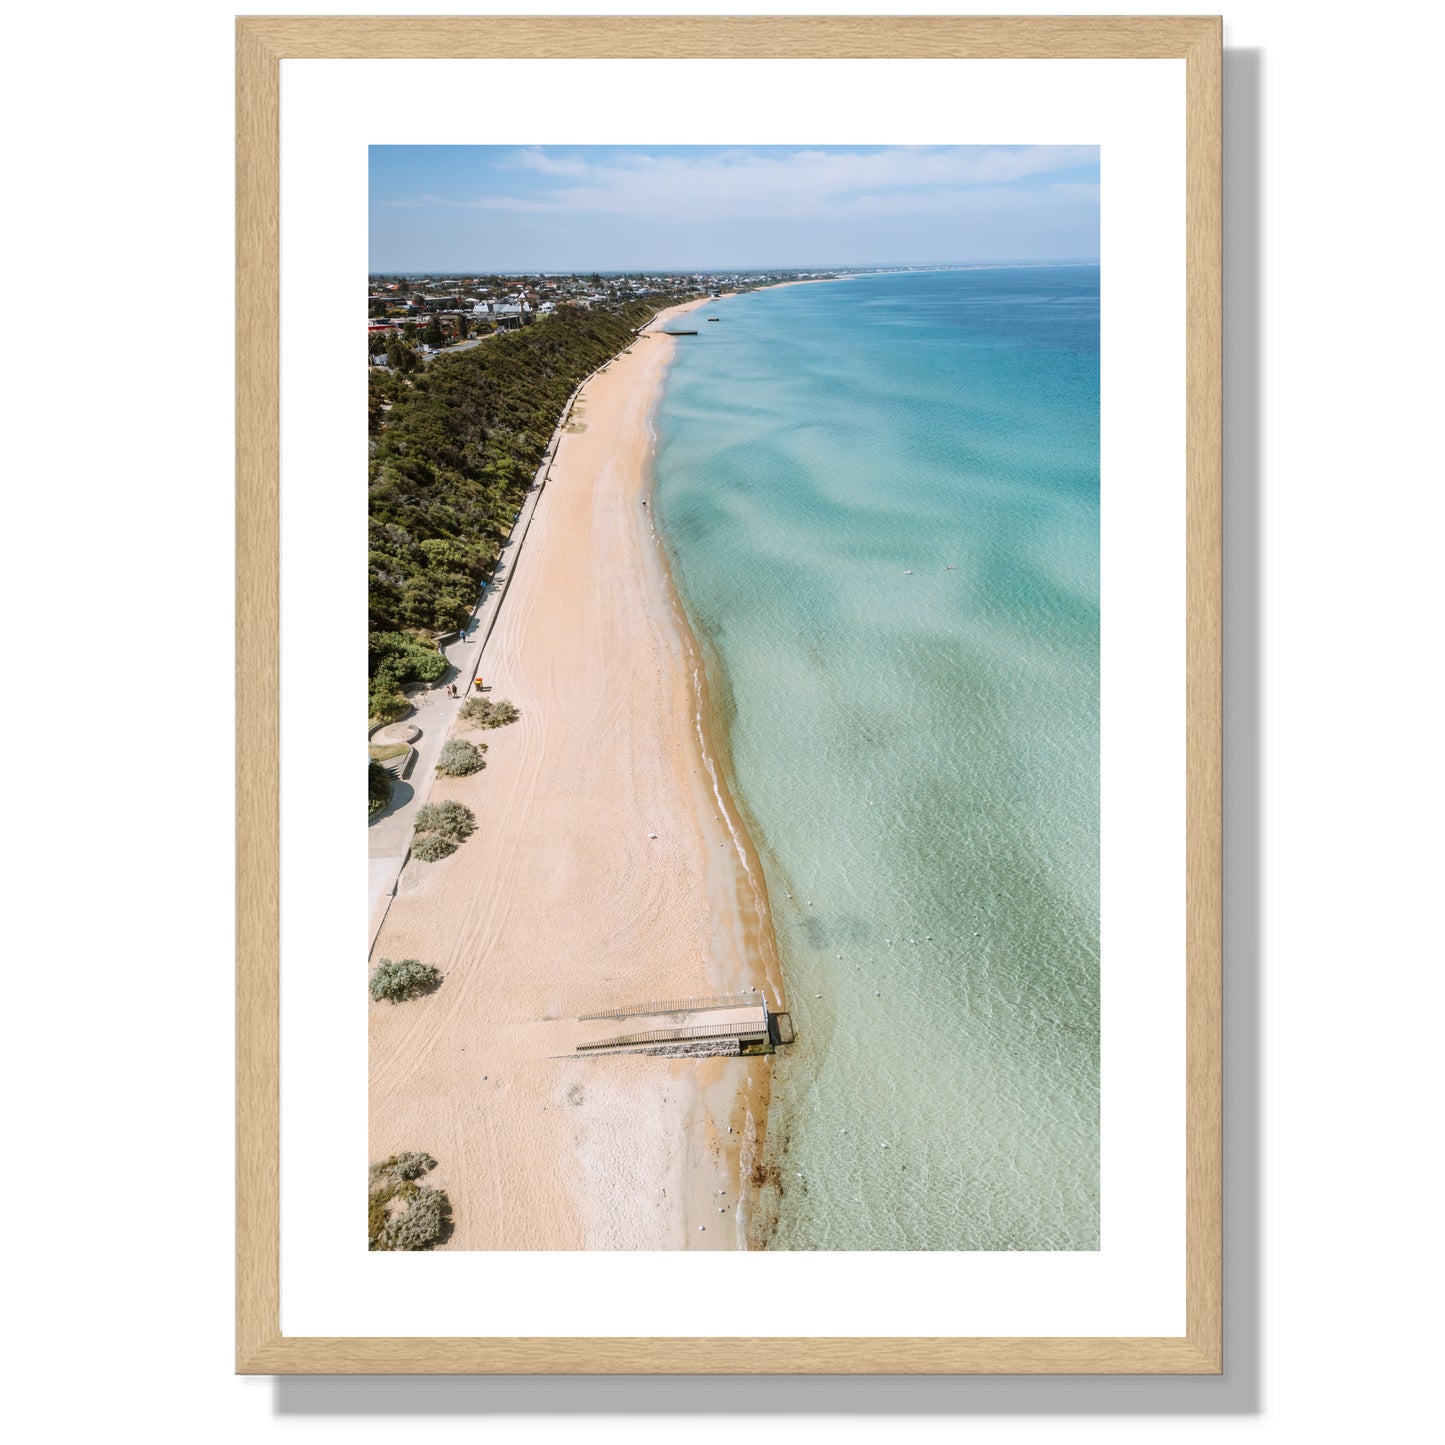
(458, 449)
(396, 659)
(401, 354)
(434, 335)
(384, 707)
(378, 787)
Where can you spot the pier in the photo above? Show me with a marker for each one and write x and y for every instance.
(733, 1024)
(752, 1033)
(675, 1006)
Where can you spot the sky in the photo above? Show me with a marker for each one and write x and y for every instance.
(472, 209)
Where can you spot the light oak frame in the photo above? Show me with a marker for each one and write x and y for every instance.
(261, 44)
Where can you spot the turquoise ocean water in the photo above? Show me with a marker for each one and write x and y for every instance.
(916, 749)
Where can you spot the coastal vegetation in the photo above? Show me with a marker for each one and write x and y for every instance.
(432, 847)
(459, 758)
(397, 659)
(439, 828)
(450, 819)
(378, 787)
(402, 1214)
(482, 712)
(406, 978)
(454, 447)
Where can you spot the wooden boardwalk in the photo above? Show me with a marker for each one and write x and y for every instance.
(737, 1019)
(676, 1006)
(688, 1033)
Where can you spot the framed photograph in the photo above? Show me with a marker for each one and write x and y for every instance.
(786, 933)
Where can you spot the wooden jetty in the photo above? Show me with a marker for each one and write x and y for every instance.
(732, 1024)
(753, 1033)
(676, 1006)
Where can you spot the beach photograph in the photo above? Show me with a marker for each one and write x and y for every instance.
(733, 698)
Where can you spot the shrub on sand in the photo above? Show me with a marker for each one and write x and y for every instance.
(401, 1166)
(450, 819)
(402, 980)
(411, 1216)
(432, 847)
(459, 758)
(400, 1213)
(482, 712)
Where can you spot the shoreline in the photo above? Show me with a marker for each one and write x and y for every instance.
(609, 864)
(741, 896)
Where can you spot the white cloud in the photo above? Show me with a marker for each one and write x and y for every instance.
(797, 185)
(410, 202)
(503, 203)
(535, 159)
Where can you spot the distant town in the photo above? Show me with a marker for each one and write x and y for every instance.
(431, 314)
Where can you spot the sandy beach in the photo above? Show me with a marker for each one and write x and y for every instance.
(562, 904)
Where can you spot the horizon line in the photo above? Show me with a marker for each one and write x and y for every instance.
(739, 270)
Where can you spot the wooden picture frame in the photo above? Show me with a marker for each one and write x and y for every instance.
(262, 43)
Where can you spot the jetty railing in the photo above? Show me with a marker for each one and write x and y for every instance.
(678, 1035)
(675, 1006)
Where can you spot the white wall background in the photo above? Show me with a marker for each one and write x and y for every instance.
(117, 519)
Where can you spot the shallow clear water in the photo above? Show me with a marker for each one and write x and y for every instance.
(918, 755)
